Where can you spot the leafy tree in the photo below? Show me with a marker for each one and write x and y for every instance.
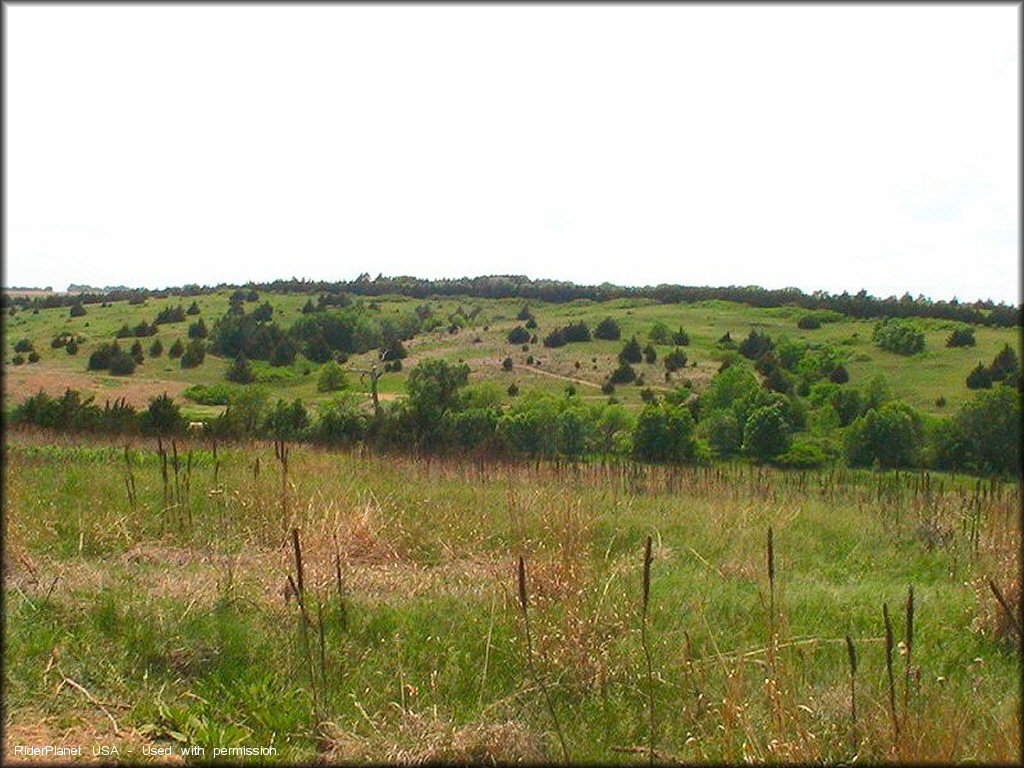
(727, 387)
(332, 378)
(240, 371)
(979, 378)
(163, 417)
(650, 354)
(77, 310)
(608, 329)
(518, 335)
(778, 380)
(899, 336)
(177, 349)
(987, 432)
(766, 433)
(675, 360)
(659, 333)
(961, 337)
(724, 433)
(665, 434)
(287, 421)
(848, 405)
(631, 352)
(889, 436)
(156, 348)
(194, 355)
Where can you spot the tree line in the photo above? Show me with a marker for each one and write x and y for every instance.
(857, 305)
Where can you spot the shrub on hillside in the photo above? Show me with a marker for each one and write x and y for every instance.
(961, 337)
(898, 335)
(518, 335)
(331, 378)
(631, 352)
(608, 329)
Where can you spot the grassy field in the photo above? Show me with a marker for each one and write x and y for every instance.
(143, 613)
(919, 380)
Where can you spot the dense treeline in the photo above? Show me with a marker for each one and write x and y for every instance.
(736, 416)
(858, 305)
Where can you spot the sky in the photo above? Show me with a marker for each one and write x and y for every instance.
(824, 147)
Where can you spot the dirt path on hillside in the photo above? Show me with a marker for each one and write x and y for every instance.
(563, 377)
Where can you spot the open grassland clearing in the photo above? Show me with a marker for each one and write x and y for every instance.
(347, 606)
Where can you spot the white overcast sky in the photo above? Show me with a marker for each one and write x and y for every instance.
(826, 147)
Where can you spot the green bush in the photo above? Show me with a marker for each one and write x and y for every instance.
(331, 378)
(518, 335)
(766, 433)
(889, 436)
(802, 456)
(664, 434)
(608, 329)
(240, 371)
(897, 335)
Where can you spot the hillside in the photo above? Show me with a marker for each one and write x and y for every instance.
(920, 379)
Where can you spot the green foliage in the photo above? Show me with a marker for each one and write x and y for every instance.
(624, 374)
(766, 433)
(888, 436)
(195, 354)
(287, 421)
(631, 352)
(23, 345)
(808, 323)
(985, 434)
(898, 335)
(163, 417)
(979, 378)
(170, 315)
(724, 433)
(331, 378)
(731, 385)
(77, 310)
(659, 333)
(680, 338)
(518, 335)
(156, 348)
(664, 434)
(650, 354)
(755, 345)
(675, 360)
(802, 456)
(961, 337)
(240, 371)
(1005, 365)
(507, 364)
(342, 421)
(177, 349)
(210, 394)
(193, 309)
(111, 357)
(198, 330)
(137, 354)
(608, 329)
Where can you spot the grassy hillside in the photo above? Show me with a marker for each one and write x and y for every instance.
(164, 617)
(920, 380)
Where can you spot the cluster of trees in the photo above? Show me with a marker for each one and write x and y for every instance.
(735, 416)
(961, 337)
(141, 330)
(899, 336)
(858, 305)
(73, 412)
(573, 332)
(110, 357)
(1005, 366)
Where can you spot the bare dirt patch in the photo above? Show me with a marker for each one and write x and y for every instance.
(21, 383)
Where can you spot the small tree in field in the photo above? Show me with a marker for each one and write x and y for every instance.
(631, 352)
(177, 349)
(766, 433)
(156, 348)
(332, 378)
(608, 329)
(240, 371)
